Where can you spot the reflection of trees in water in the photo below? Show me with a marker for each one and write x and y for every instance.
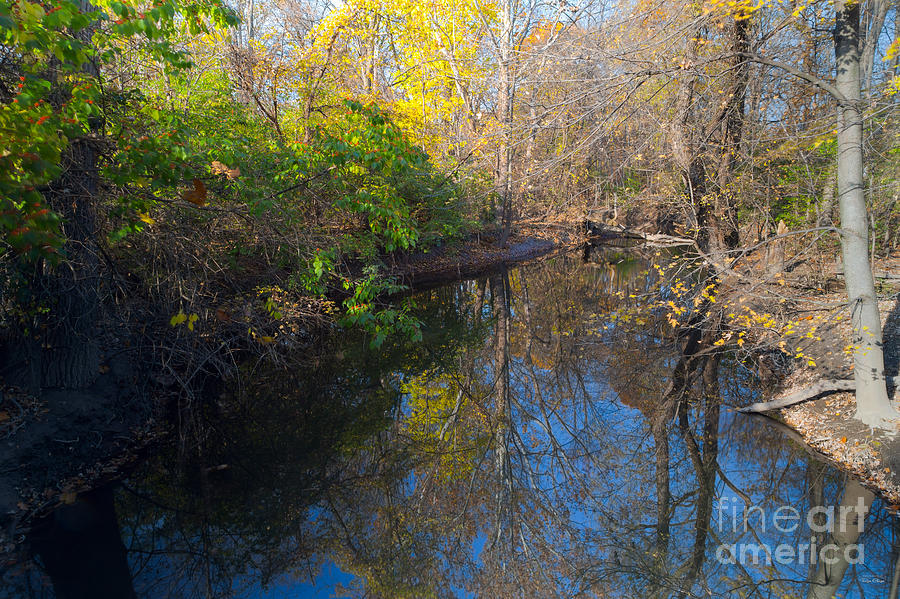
(521, 451)
(81, 549)
(254, 499)
(573, 500)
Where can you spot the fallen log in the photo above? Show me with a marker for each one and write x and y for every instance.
(663, 240)
(875, 273)
(595, 230)
(807, 393)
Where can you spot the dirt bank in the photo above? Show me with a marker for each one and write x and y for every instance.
(481, 254)
(827, 424)
(63, 440)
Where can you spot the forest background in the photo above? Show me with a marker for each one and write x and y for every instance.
(236, 172)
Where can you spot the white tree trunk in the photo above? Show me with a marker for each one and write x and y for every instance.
(847, 530)
(873, 406)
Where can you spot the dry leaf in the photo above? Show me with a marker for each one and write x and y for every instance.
(4, 416)
(197, 195)
(68, 497)
(223, 315)
(221, 169)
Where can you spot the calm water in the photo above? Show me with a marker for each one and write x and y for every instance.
(516, 452)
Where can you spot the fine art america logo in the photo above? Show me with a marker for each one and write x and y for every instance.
(846, 522)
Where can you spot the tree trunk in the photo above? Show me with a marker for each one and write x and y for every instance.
(873, 406)
(685, 148)
(70, 353)
(879, 10)
(705, 465)
(826, 206)
(371, 59)
(66, 353)
(504, 115)
(500, 298)
(829, 576)
(81, 548)
(723, 225)
(660, 430)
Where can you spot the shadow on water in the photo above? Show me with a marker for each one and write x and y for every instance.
(892, 342)
(545, 439)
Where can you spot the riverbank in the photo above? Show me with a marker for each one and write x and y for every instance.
(481, 253)
(827, 423)
(810, 316)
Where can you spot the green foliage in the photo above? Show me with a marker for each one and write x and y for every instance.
(361, 309)
(375, 171)
(378, 176)
(180, 137)
(58, 98)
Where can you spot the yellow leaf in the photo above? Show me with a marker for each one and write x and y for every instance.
(178, 318)
(146, 218)
(893, 50)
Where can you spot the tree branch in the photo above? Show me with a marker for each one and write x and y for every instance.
(800, 74)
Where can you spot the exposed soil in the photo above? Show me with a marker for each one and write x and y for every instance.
(66, 440)
(827, 423)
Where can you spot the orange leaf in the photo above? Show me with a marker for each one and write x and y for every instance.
(197, 195)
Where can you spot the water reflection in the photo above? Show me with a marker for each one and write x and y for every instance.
(538, 443)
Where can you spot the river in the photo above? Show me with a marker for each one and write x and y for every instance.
(516, 451)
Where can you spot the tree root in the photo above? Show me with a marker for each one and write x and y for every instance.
(811, 392)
